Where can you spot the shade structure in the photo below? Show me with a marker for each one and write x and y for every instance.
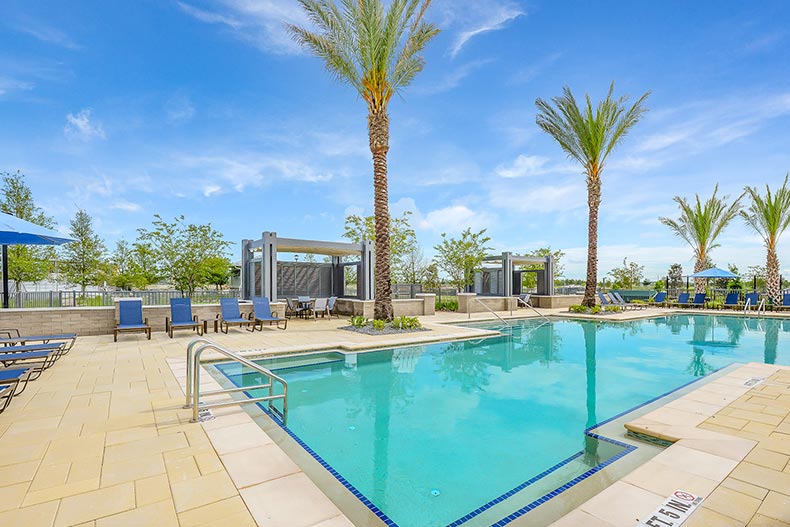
(15, 231)
(714, 272)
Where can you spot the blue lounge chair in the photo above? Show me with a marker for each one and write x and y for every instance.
(230, 314)
(42, 359)
(15, 378)
(130, 318)
(262, 312)
(605, 301)
(6, 394)
(14, 338)
(683, 300)
(659, 299)
(699, 300)
(752, 299)
(732, 300)
(181, 317)
(620, 301)
(785, 302)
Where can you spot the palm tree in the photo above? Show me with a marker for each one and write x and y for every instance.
(700, 224)
(769, 216)
(589, 135)
(377, 52)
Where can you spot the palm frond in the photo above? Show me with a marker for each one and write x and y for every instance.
(373, 48)
(769, 215)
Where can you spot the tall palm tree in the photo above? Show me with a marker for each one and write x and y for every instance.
(769, 216)
(589, 135)
(700, 224)
(376, 51)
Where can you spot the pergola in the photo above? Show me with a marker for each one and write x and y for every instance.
(263, 275)
(500, 277)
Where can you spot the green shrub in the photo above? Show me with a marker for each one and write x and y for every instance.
(447, 305)
(577, 308)
(379, 325)
(358, 321)
(595, 310)
(638, 301)
(611, 309)
(406, 323)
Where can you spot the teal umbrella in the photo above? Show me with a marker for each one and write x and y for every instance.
(15, 231)
(714, 272)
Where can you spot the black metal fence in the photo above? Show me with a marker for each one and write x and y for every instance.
(24, 299)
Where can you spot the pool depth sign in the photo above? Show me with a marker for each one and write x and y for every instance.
(674, 511)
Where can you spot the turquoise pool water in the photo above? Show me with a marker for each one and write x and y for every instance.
(432, 435)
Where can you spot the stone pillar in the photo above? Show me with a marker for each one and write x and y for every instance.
(429, 303)
(466, 302)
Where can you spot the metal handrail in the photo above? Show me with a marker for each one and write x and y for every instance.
(762, 306)
(193, 379)
(469, 313)
(746, 305)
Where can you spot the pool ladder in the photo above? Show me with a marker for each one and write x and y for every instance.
(193, 393)
(761, 306)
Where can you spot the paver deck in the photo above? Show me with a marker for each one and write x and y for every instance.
(102, 439)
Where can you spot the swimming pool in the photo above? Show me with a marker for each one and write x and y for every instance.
(466, 433)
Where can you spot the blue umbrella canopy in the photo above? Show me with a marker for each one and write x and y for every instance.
(714, 272)
(14, 231)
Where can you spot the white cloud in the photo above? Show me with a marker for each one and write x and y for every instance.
(453, 79)
(562, 197)
(124, 205)
(469, 19)
(533, 70)
(81, 127)
(524, 166)
(453, 219)
(260, 23)
(179, 109)
(46, 33)
(8, 85)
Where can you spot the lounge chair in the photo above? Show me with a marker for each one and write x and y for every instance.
(130, 318)
(16, 377)
(752, 299)
(6, 394)
(14, 338)
(659, 299)
(523, 300)
(51, 352)
(330, 307)
(732, 300)
(622, 303)
(231, 315)
(785, 302)
(181, 317)
(683, 300)
(41, 360)
(262, 312)
(605, 301)
(699, 300)
(324, 306)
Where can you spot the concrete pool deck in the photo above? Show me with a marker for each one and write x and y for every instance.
(102, 439)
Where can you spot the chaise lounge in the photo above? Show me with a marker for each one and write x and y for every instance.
(130, 318)
(262, 312)
(230, 315)
(181, 317)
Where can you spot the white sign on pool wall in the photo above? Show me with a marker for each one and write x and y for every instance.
(674, 511)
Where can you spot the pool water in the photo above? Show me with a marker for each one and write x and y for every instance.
(435, 435)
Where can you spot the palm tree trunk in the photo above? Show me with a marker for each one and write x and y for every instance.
(379, 132)
(772, 285)
(593, 202)
(700, 284)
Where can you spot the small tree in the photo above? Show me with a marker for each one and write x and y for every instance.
(402, 238)
(530, 280)
(628, 276)
(144, 265)
(216, 271)
(83, 259)
(182, 250)
(461, 258)
(414, 265)
(121, 266)
(26, 263)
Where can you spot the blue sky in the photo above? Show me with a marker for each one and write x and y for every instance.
(208, 109)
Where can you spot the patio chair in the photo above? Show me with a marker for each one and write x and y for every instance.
(683, 300)
(293, 307)
(40, 360)
(731, 301)
(523, 300)
(699, 300)
(262, 312)
(181, 317)
(605, 301)
(16, 377)
(6, 394)
(47, 353)
(130, 318)
(330, 307)
(659, 299)
(753, 299)
(230, 315)
(625, 305)
(785, 302)
(13, 338)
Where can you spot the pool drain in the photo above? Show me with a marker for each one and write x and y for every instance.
(435, 492)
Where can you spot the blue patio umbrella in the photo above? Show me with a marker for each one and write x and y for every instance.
(15, 231)
(714, 272)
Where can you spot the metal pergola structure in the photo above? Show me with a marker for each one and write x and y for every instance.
(505, 279)
(259, 265)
